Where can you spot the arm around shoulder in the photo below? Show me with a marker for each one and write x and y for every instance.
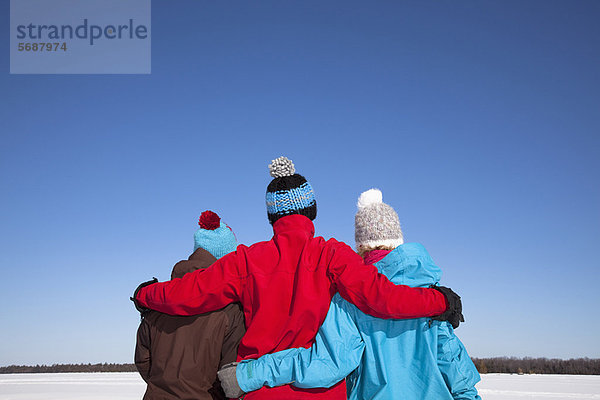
(362, 285)
(200, 291)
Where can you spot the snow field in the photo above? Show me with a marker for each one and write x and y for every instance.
(129, 386)
(538, 387)
(72, 386)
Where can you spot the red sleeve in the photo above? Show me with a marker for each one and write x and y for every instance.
(200, 291)
(374, 294)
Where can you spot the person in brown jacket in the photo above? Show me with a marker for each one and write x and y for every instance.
(179, 357)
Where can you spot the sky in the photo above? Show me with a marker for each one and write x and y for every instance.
(478, 120)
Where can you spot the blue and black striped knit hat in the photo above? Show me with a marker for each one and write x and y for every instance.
(289, 192)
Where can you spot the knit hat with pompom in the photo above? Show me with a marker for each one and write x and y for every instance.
(376, 224)
(289, 192)
(214, 236)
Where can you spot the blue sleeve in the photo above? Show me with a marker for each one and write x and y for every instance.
(456, 366)
(336, 352)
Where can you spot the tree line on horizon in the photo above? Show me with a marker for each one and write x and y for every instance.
(503, 365)
(527, 365)
(56, 368)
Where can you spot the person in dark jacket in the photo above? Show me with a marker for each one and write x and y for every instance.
(179, 356)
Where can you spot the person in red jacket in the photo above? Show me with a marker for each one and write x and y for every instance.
(285, 285)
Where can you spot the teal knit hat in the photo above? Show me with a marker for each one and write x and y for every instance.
(214, 236)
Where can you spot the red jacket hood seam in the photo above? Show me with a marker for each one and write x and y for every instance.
(294, 222)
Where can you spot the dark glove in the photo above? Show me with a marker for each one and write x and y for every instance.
(229, 383)
(143, 310)
(454, 312)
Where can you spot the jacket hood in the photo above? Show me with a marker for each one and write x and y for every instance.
(294, 222)
(410, 264)
(199, 259)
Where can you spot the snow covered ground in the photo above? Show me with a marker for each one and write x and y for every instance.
(538, 387)
(75, 386)
(129, 386)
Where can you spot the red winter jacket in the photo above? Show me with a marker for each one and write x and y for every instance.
(285, 286)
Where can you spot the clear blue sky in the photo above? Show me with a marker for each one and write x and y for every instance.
(479, 120)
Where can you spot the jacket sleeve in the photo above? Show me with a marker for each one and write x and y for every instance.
(200, 291)
(142, 350)
(337, 351)
(456, 366)
(373, 293)
(233, 335)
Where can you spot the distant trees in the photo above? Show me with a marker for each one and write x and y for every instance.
(527, 365)
(503, 365)
(105, 367)
(480, 365)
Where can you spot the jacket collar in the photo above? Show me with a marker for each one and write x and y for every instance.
(410, 264)
(199, 259)
(294, 222)
(373, 256)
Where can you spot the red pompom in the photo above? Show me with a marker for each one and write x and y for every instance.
(209, 220)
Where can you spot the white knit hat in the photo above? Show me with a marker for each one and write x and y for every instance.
(376, 223)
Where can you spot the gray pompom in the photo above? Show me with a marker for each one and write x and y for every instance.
(281, 166)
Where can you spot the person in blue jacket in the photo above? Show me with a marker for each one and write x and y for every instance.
(383, 359)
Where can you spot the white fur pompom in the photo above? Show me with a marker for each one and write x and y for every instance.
(371, 196)
(281, 166)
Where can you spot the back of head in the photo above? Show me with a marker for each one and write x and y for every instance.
(289, 193)
(214, 235)
(376, 224)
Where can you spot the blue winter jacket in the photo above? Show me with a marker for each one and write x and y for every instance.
(383, 358)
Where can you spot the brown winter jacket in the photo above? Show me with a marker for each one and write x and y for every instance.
(179, 357)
